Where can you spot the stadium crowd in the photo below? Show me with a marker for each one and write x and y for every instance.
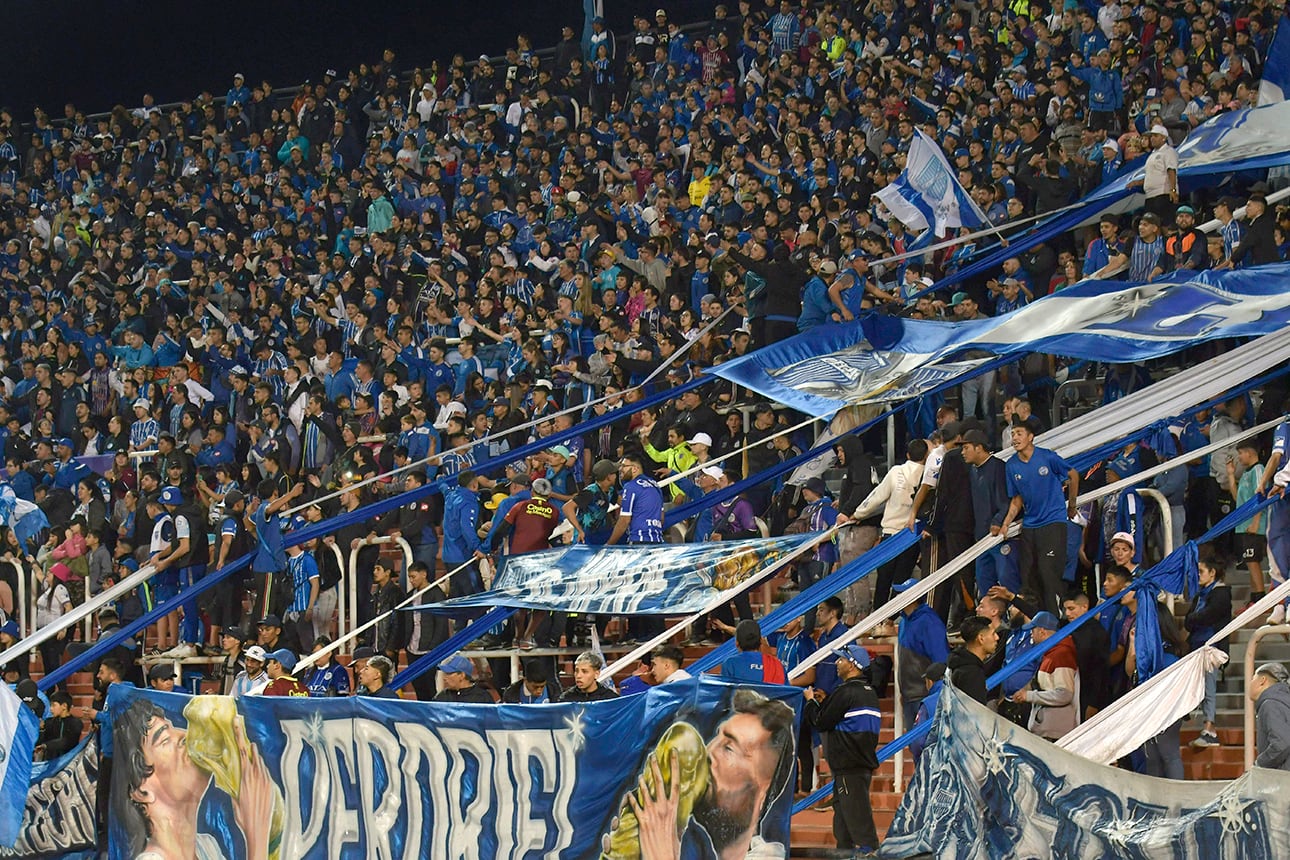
(223, 315)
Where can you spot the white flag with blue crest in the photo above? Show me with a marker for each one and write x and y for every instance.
(927, 194)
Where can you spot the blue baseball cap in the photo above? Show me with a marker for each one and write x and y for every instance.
(11, 627)
(171, 496)
(458, 663)
(904, 586)
(1046, 620)
(283, 656)
(856, 654)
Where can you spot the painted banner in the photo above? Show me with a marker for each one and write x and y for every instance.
(670, 579)
(269, 778)
(985, 787)
(884, 358)
(58, 821)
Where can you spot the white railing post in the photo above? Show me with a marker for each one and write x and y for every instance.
(353, 569)
(1283, 629)
(898, 724)
(340, 590)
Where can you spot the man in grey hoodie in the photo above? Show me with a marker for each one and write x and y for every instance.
(1271, 696)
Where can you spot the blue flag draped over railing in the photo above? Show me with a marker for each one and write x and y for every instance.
(879, 358)
(1276, 71)
(671, 579)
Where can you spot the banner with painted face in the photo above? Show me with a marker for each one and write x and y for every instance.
(709, 767)
(672, 579)
(58, 821)
(882, 358)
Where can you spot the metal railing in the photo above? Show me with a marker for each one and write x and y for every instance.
(1253, 646)
(353, 570)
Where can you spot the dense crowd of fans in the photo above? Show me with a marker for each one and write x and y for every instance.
(224, 315)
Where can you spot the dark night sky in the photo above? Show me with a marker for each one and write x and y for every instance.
(98, 54)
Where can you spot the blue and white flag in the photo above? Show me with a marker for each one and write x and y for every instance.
(1276, 71)
(884, 358)
(59, 821)
(927, 194)
(363, 778)
(671, 579)
(986, 787)
(19, 728)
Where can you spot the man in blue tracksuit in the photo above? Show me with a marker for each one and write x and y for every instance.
(1105, 89)
(461, 536)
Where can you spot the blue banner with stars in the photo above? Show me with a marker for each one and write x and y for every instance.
(986, 787)
(710, 766)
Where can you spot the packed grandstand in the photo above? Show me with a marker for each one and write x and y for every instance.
(629, 360)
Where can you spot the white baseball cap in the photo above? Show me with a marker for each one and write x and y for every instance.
(701, 439)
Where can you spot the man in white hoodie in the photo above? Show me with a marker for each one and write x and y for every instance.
(894, 495)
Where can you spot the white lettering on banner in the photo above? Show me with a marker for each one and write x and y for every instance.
(513, 773)
(60, 810)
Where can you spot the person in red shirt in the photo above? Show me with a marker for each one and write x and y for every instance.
(279, 665)
(751, 664)
(529, 524)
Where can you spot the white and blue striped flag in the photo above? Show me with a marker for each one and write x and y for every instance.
(927, 195)
(19, 728)
(1276, 71)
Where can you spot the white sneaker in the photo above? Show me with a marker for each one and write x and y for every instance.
(1278, 615)
(182, 651)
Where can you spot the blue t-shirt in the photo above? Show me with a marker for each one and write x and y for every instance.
(330, 680)
(1039, 483)
(753, 667)
(643, 503)
(270, 555)
(792, 650)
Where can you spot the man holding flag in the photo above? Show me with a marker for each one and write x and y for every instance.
(926, 196)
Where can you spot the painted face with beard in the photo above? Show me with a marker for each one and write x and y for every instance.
(743, 765)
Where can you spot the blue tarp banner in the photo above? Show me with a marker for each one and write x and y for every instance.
(986, 787)
(344, 779)
(667, 579)
(1276, 71)
(879, 358)
(58, 821)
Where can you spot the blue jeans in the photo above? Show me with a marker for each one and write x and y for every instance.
(978, 399)
(998, 566)
(1211, 695)
(190, 629)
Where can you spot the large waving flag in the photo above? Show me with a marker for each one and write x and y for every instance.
(1276, 71)
(18, 730)
(926, 194)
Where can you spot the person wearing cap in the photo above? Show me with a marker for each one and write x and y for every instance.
(528, 525)
(1035, 481)
(1269, 690)
(459, 683)
(586, 680)
(922, 641)
(850, 719)
(589, 510)
(374, 675)
(1159, 182)
(252, 680)
(818, 514)
(187, 556)
(1258, 246)
(165, 583)
(535, 688)
(750, 664)
(1143, 254)
(1187, 247)
(231, 641)
(145, 429)
(1054, 693)
(161, 677)
(280, 666)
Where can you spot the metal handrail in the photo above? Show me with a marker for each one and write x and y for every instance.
(1284, 630)
(340, 592)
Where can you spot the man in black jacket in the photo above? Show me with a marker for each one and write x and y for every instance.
(1259, 244)
(967, 662)
(850, 720)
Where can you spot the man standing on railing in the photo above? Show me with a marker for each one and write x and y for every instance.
(1035, 479)
(641, 520)
(270, 555)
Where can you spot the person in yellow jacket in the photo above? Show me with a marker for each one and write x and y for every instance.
(677, 457)
(700, 183)
(832, 44)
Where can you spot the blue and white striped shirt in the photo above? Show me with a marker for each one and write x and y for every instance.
(302, 568)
